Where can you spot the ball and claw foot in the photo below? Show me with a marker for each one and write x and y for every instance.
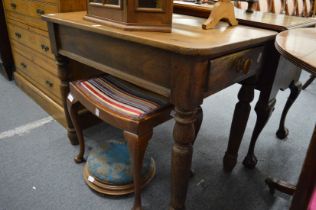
(250, 161)
(282, 133)
(79, 159)
(229, 162)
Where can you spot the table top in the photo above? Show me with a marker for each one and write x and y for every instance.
(187, 36)
(299, 46)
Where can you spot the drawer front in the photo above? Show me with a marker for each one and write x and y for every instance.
(30, 21)
(37, 58)
(227, 70)
(36, 9)
(41, 98)
(30, 39)
(30, 8)
(18, 6)
(46, 82)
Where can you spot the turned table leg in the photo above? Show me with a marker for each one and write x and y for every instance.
(187, 96)
(184, 136)
(63, 74)
(295, 89)
(239, 123)
(197, 126)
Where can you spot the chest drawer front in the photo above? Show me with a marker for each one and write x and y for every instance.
(30, 21)
(18, 6)
(30, 8)
(30, 39)
(227, 70)
(51, 1)
(46, 63)
(48, 83)
(36, 9)
(42, 99)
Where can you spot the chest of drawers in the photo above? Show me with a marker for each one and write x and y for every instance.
(36, 69)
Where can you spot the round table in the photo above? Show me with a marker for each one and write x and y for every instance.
(299, 47)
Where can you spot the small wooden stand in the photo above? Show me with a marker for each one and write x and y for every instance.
(222, 10)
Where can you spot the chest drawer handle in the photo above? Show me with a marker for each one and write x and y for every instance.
(23, 65)
(18, 35)
(40, 12)
(243, 65)
(49, 83)
(44, 47)
(13, 5)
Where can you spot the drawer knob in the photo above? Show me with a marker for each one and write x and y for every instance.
(13, 5)
(243, 65)
(18, 35)
(23, 65)
(49, 83)
(40, 12)
(44, 47)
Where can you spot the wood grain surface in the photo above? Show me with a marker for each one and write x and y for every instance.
(187, 36)
(299, 46)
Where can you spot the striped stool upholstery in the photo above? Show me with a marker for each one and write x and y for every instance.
(121, 97)
(125, 106)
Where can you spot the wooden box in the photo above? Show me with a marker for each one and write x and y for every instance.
(144, 15)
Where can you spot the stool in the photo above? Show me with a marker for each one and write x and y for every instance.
(124, 106)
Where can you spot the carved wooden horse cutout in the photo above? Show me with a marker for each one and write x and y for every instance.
(222, 10)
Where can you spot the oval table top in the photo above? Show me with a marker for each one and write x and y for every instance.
(299, 46)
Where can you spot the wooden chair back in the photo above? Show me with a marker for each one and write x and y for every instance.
(242, 5)
(276, 6)
(307, 8)
(299, 7)
(263, 6)
(290, 7)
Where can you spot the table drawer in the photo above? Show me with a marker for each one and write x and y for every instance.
(30, 39)
(227, 70)
(48, 83)
(30, 8)
(37, 58)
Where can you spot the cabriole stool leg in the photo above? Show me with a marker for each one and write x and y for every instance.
(73, 108)
(137, 145)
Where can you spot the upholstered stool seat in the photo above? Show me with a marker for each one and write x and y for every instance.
(120, 97)
(125, 106)
(109, 168)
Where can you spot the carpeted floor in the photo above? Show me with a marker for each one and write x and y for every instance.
(37, 170)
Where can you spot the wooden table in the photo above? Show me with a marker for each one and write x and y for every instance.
(299, 47)
(186, 66)
(287, 76)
